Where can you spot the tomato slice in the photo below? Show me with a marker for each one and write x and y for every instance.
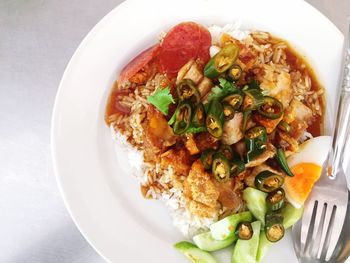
(183, 42)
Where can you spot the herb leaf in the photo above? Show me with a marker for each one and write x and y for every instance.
(161, 99)
(225, 88)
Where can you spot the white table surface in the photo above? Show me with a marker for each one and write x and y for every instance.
(37, 39)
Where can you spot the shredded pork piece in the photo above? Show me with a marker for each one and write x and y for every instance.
(233, 129)
(267, 154)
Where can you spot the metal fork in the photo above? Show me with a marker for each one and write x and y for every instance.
(325, 209)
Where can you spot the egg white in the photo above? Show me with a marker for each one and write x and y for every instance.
(314, 151)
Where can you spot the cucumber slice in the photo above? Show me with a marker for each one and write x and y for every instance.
(205, 241)
(226, 227)
(256, 202)
(245, 251)
(264, 245)
(291, 215)
(194, 254)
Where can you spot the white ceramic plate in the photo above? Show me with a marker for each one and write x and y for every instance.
(103, 200)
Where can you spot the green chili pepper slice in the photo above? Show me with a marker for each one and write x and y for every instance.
(253, 99)
(244, 231)
(229, 111)
(284, 126)
(255, 140)
(187, 90)
(237, 167)
(268, 182)
(235, 100)
(281, 160)
(215, 119)
(234, 73)
(222, 61)
(274, 229)
(221, 167)
(271, 108)
(275, 200)
(246, 115)
(183, 118)
(207, 158)
(198, 119)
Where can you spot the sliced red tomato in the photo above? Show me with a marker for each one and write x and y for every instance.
(138, 63)
(183, 42)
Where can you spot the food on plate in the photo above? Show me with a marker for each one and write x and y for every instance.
(225, 127)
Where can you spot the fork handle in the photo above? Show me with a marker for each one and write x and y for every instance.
(342, 124)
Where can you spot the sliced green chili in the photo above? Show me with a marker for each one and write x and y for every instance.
(271, 108)
(183, 116)
(222, 61)
(229, 111)
(274, 229)
(198, 119)
(234, 73)
(207, 158)
(275, 200)
(187, 90)
(268, 182)
(284, 126)
(255, 140)
(235, 100)
(244, 231)
(246, 115)
(253, 99)
(221, 167)
(215, 119)
(281, 160)
(237, 167)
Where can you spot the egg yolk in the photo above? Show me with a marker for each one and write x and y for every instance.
(300, 185)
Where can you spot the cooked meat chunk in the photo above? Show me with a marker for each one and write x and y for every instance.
(287, 142)
(158, 133)
(183, 71)
(297, 111)
(278, 86)
(298, 115)
(205, 86)
(191, 144)
(233, 129)
(230, 196)
(179, 159)
(200, 191)
(205, 141)
(267, 154)
(240, 148)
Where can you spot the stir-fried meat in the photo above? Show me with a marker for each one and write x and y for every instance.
(250, 179)
(179, 159)
(230, 194)
(193, 71)
(298, 115)
(157, 130)
(233, 129)
(267, 154)
(191, 144)
(240, 148)
(280, 88)
(287, 142)
(269, 124)
(201, 193)
(205, 141)
(205, 86)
